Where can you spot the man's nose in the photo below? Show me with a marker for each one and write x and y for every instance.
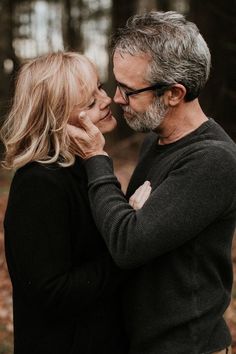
(118, 98)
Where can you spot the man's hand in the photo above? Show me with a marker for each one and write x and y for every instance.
(86, 138)
(140, 196)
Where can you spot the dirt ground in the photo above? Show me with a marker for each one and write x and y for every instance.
(124, 165)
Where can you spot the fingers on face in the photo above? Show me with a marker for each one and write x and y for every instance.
(86, 123)
(75, 132)
(83, 122)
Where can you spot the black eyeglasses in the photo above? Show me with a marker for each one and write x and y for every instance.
(126, 93)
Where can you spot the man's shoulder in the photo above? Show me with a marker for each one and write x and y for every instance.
(210, 139)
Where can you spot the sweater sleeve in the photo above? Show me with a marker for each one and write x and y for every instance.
(199, 188)
(38, 250)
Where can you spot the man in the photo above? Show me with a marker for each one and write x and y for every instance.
(180, 241)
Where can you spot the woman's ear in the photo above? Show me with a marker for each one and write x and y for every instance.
(175, 95)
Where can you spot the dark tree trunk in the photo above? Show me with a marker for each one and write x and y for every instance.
(72, 37)
(217, 22)
(163, 5)
(7, 54)
(120, 12)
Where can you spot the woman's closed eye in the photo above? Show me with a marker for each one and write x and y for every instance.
(92, 104)
(100, 86)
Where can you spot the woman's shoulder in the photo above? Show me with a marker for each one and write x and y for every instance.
(40, 174)
(49, 177)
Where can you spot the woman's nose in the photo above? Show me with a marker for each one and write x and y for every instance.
(106, 101)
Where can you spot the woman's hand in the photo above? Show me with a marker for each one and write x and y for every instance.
(140, 196)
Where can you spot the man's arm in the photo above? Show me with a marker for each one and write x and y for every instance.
(195, 193)
(177, 210)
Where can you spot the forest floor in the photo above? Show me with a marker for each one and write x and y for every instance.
(124, 163)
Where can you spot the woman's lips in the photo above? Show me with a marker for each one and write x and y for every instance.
(107, 115)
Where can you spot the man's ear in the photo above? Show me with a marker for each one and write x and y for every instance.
(175, 95)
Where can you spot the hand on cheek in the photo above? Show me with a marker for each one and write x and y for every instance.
(86, 138)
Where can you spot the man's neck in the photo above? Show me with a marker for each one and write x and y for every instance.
(180, 121)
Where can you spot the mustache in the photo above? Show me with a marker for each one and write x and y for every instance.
(127, 109)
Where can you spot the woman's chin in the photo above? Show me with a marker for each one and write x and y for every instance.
(107, 126)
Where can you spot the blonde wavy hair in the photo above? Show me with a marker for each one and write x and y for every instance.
(47, 90)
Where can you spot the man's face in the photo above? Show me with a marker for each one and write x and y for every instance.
(143, 111)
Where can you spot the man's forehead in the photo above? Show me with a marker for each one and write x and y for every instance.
(127, 66)
(126, 56)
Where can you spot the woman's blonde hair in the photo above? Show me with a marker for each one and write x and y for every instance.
(47, 90)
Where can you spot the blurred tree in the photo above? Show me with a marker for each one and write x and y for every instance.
(8, 60)
(9, 63)
(146, 5)
(217, 22)
(121, 10)
(163, 5)
(71, 26)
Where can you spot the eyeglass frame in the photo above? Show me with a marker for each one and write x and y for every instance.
(157, 86)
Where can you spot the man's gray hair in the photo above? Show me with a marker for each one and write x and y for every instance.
(178, 51)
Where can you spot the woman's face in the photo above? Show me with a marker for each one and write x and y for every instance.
(98, 109)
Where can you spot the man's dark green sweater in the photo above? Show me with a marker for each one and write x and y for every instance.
(179, 242)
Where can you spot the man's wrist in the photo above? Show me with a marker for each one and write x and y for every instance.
(96, 153)
(99, 166)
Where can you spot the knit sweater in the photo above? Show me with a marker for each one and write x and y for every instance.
(65, 285)
(179, 242)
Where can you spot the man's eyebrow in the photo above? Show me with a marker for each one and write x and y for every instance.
(124, 86)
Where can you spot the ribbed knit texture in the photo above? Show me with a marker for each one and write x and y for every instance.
(179, 242)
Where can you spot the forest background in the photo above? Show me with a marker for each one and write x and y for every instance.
(33, 27)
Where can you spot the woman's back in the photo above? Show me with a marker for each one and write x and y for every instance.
(64, 281)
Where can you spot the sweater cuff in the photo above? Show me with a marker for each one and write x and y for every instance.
(100, 168)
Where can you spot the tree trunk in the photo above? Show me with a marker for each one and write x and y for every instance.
(71, 26)
(120, 12)
(163, 5)
(217, 22)
(7, 54)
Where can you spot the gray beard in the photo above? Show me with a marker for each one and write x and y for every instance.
(149, 120)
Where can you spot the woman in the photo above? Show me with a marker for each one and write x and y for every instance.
(65, 285)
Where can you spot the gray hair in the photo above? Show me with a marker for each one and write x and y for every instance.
(178, 51)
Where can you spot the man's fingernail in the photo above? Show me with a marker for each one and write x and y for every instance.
(82, 114)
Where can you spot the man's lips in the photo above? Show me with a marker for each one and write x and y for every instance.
(127, 114)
